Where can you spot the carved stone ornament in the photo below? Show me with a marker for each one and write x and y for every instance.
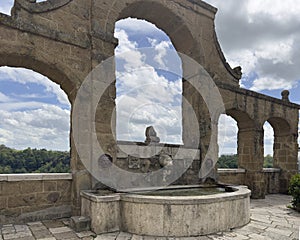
(151, 135)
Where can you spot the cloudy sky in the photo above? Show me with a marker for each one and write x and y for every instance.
(261, 36)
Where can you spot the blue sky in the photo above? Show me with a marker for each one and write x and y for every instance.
(261, 36)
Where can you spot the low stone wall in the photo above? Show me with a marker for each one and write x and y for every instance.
(272, 180)
(232, 176)
(33, 197)
(237, 177)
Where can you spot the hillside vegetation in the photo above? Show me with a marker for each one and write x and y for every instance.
(33, 161)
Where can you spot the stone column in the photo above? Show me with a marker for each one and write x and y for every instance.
(250, 151)
(197, 131)
(285, 158)
(102, 45)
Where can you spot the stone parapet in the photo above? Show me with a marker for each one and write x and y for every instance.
(32, 197)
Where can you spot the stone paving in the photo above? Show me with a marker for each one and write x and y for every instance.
(270, 220)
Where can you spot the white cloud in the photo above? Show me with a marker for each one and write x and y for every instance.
(136, 26)
(269, 83)
(25, 123)
(161, 50)
(25, 76)
(144, 97)
(281, 11)
(268, 139)
(18, 106)
(227, 135)
(4, 98)
(6, 6)
(263, 37)
(46, 127)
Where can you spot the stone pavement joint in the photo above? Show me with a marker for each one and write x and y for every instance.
(270, 219)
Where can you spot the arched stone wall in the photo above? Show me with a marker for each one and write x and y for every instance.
(65, 40)
(285, 150)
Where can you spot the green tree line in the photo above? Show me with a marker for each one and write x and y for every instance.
(33, 161)
(231, 161)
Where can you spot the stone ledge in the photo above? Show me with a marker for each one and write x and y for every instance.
(40, 30)
(271, 170)
(34, 177)
(253, 94)
(231, 170)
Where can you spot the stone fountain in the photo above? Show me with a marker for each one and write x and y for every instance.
(171, 211)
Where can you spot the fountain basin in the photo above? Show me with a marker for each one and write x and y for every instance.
(167, 216)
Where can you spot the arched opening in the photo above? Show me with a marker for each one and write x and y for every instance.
(170, 23)
(227, 141)
(247, 139)
(282, 138)
(268, 145)
(146, 95)
(34, 123)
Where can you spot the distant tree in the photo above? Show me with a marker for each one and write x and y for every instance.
(268, 161)
(231, 161)
(228, 161)
(33, 161)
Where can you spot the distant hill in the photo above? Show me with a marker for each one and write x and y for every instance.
(33, 161)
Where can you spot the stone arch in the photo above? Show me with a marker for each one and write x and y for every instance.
(282, 131)
(151, 79)
(227, 138)
(247, 134)
(281, 126)
(284, 150)
(181, 36)
(54, 74)
(268, 145)
(250, 151)
(172, 24)
(242, 118)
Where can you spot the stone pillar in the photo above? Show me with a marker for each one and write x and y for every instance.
(250, 151)
(102, 47)
(197, 125)
(285, 158)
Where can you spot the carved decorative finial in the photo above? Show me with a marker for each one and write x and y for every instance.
(151, 136)
(238, 71)
(285, 95)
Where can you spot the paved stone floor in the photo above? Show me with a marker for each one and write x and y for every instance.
(270, 220)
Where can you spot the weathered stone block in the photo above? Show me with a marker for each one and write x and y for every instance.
(31, 186)
(80, 223)
(64, 186)
(10, 188)
(50, 186)
(48, 198)
(3, 203)
(22, 200)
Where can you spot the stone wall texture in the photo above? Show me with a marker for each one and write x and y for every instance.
(29, 198)
(271, 178)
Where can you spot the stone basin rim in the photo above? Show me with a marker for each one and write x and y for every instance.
(239, 193)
